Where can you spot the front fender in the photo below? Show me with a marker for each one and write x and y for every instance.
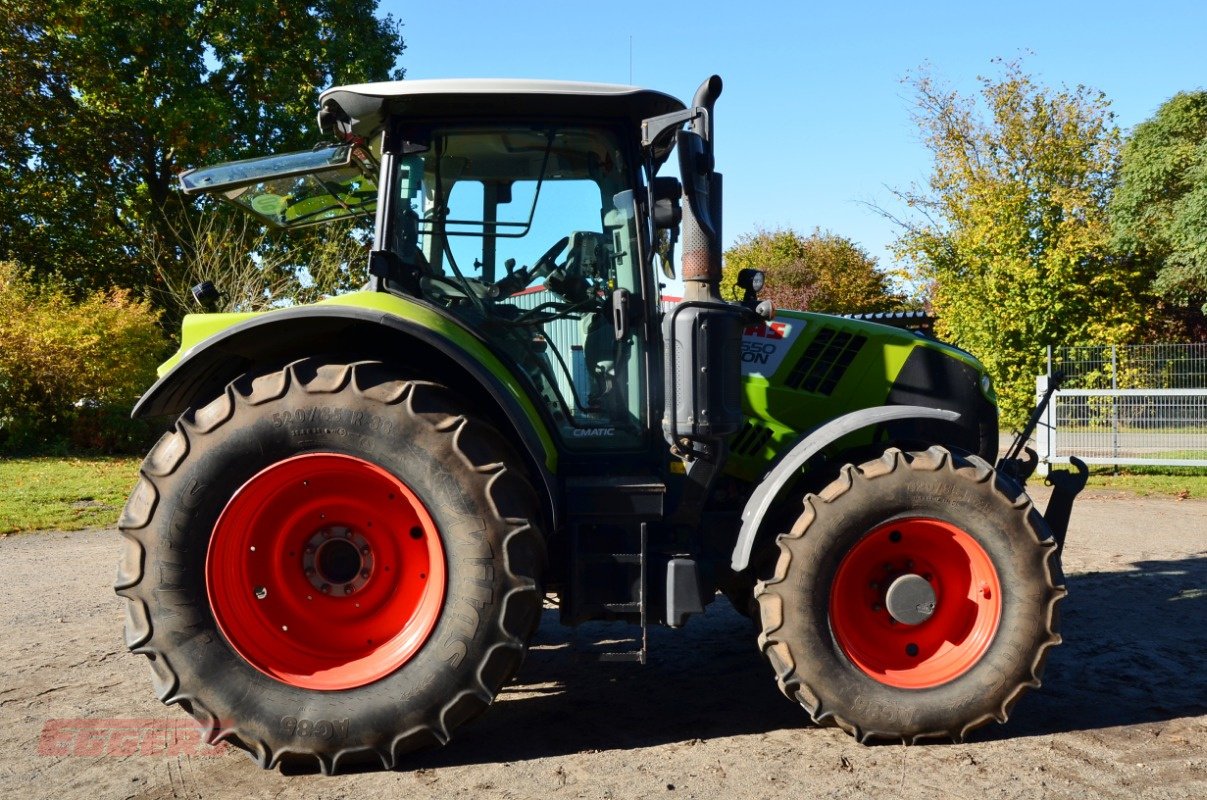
(769, 488)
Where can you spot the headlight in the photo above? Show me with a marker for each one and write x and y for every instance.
(751, 279)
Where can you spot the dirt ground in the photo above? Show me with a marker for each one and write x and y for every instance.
(1123, 712)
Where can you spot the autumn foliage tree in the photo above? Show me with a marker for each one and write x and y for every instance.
(1011, 234)
(818, 272)
(70, 369)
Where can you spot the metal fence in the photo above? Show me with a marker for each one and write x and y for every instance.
(1140, 366)
(1126, 405)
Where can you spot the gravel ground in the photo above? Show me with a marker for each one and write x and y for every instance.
(1123, 712)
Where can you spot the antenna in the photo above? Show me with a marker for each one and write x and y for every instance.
(630, 59)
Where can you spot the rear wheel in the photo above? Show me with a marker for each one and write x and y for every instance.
(330, 565)
(914, 597)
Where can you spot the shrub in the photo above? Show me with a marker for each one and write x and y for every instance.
(70, 370)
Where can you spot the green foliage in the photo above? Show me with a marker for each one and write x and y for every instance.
(1159, 209)
(70, 371)
(819, 272)
(1011, 236)
(106, 102)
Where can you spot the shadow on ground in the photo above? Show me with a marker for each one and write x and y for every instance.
(1134, 643)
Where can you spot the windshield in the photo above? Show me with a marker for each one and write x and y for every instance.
(527, 233)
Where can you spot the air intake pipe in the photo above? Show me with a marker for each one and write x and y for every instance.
(701, 227)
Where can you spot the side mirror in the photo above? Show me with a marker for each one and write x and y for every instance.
(666, 216)
(667, 213)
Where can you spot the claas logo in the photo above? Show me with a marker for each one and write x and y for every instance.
(767, 330)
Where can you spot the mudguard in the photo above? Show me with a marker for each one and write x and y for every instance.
(764, 496)
(218, 348)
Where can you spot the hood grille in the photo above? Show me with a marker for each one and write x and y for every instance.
(825, 361)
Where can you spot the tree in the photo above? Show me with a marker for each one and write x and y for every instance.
(108, 101)
(821, 272)
(1011, 236)
(1159, 208)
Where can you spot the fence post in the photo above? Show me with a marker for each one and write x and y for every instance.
(1115, 403)
(1045, 430)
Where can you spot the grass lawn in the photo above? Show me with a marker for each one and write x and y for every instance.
(1181, 482)
(64, 494)
(67, 494)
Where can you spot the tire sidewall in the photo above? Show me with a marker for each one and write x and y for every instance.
(456, 497)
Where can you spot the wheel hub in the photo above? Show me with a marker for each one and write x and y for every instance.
(338, 560)
(910, 599)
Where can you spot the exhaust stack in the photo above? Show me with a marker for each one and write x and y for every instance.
(701, 226)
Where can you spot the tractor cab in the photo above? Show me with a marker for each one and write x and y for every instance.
(518, 207)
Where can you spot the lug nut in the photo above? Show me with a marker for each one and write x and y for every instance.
(364, 573)
(349, 588)
(325, 588)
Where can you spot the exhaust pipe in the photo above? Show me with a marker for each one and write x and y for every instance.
(700, 230)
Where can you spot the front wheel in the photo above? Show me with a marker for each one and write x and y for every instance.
(331, 565)
(916, 596)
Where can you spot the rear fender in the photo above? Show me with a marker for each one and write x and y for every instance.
(778, 477)
(358, 326)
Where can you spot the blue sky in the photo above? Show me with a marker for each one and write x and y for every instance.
(814, 120)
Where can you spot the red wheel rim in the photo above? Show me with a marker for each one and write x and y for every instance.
(325, 572)
(967, 603)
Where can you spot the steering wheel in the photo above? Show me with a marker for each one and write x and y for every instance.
(517, 280)
(548, 262)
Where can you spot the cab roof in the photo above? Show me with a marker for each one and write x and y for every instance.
(361, 109)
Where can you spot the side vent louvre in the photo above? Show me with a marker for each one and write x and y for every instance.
(825, 361)
(752, 439)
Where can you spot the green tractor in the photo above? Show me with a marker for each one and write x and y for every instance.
(339, 552)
